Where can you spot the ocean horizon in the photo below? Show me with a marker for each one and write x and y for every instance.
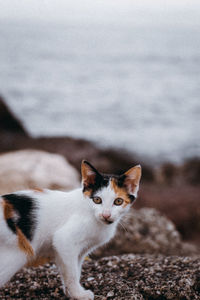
(132, 85)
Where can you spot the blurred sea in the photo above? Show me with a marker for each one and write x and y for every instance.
(133, 84)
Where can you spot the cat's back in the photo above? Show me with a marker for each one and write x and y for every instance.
(42, 207)
(38, 213)
(58, 206)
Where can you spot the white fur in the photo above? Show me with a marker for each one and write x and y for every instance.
(69, 226)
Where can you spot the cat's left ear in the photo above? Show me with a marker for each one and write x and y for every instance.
(132, 180)
(89, 174)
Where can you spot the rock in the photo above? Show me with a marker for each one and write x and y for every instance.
(127, 277)
(29, 169)
(8, 121)
(110, 294)
(146, 231)
(179, 202)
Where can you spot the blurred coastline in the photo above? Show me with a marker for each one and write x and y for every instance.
(123, 83)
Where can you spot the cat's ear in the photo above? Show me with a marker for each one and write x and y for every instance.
(132, 180)
(89, 174)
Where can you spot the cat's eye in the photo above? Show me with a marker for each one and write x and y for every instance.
(97, 200)
(118, 201)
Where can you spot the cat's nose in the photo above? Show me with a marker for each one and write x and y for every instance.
(106, 215)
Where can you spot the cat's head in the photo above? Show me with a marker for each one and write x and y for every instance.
(110, 196)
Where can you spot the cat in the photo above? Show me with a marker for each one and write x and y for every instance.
(64, 226)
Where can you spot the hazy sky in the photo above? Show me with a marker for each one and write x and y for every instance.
(62, 9)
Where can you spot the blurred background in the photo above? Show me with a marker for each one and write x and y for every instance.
(114, 81)
(120, 73)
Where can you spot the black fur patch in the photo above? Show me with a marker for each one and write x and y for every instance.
(132, 198)
(105, 178)
(25, 208)
(11, 224)
(100, 182)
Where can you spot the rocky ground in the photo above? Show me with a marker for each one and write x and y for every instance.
(136, 277)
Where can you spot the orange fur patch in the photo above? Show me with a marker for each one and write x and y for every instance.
(38, 261)
(120, 192)
(38, 190)
(88, 193)
(7, 210)
(130, 184)
(23, 243)
(88, 176)
(133, 176)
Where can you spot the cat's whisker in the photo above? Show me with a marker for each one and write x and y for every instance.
(123, 227)
(129, 214)
(122, 222)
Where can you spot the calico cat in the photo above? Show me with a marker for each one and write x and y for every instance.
(64, 226)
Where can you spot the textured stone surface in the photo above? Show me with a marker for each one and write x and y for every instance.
(146, 231)
(35, 169)
(131, 277)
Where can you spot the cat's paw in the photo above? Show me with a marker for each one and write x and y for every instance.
(85, 295)
(89, 295)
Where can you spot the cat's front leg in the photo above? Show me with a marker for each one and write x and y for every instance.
(70, 278)
(67, 249)
(11, 261)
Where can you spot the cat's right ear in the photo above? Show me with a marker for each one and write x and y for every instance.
(89, 174)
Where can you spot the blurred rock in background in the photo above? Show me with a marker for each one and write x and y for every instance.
(29, 169)
(147, 231)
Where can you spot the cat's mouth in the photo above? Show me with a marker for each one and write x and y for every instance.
(108, 221)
